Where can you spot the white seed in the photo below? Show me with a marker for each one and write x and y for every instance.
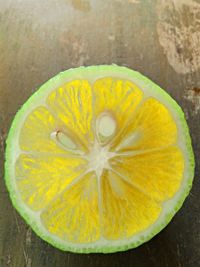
(106, 125)
(63, 140)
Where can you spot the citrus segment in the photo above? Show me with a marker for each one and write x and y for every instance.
(74, 215)
(152, 127)
(72, 105)
(40, 178)
(126, 210)
(158, 173)
(119, 97)
(35, 134)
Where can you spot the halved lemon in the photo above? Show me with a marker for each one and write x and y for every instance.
(99, 159)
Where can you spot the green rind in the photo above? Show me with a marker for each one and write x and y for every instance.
(103, 249)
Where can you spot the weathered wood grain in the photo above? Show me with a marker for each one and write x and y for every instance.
(161, 39)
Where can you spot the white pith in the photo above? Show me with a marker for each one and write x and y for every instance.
(98, 159)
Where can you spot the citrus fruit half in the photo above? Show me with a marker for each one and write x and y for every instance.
(99, 159)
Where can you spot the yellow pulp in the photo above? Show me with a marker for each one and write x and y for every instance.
(144, 165)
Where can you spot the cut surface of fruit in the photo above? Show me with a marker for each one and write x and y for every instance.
(99, 159)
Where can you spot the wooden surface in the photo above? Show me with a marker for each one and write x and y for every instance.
(161, 39)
